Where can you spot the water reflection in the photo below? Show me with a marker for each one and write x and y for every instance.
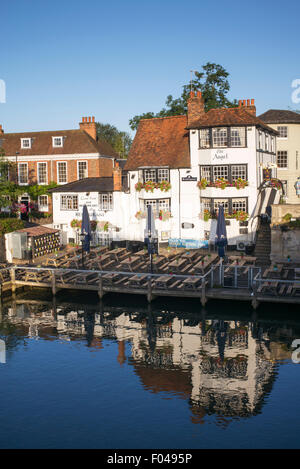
(223, 367)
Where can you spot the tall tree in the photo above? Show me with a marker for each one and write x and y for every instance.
(212, 81)
(120, 141)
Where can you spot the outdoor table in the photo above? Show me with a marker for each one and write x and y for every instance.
(137, 280)
(163, 281)
(177, 264)
(190, 255)
(141, 253)
(111, 277)
(297, 274)
(129, 262)
(192, 283)
(205, 263)
(270, 287)
(36, 275)
(116, 252)
(295, 288)
(251, 259)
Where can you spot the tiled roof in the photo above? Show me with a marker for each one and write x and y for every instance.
(228, 116)
(278, 116)
(97, 184)
(37, 230)
(75, 142)
(160, 142)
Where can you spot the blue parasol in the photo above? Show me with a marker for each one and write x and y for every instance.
(221, 234)
(86, 229)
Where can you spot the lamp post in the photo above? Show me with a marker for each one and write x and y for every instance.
(297, 187)
(82, 236)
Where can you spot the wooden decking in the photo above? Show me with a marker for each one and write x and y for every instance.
(188, 275)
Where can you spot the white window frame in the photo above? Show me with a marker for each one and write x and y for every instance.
(23, 183)
(38, 173)
(57, 168)
(43, 207)
(282, 156)
(64, 205)
(106, 205)
(55, 145)
(282, 127)
(87, 170)
(27, 139)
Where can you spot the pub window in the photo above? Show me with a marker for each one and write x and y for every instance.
(162, 175)
(150, 175)
(282, 159)
(156, 175)
(220, 172)
(157, 204)
(204, 138)
(206, 204)
(106, 201)
(239, 204)
(69, 202)
(238, 171)
(220, 137)
(224, 202)
(266, 142)
(283, 131)
(205, 172)
(237, 136)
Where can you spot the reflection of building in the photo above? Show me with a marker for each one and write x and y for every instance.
(221, 367)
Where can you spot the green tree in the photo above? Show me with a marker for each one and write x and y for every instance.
(212, 81)
(9, 191)
(120, 141)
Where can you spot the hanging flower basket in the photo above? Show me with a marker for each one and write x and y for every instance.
(139, 186)
(202, 184)
(75, 223)
(164, 215)
(104, 225)
(206, 215)
(140, 215)
(94, 225)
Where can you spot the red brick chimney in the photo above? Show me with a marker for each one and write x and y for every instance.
(89, 126)
(117, 177)
(248, 105)
(195, 107)
(1, 130)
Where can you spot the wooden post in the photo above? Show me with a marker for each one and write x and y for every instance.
(13, 279)
(203, 297)
(149, 293)
(53, 283)
(100, 287)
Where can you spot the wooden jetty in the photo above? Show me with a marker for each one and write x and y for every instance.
(219, 281)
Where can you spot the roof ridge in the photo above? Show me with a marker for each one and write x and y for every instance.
(165, 117)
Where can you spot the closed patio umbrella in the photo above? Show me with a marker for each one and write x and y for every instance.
(85, 231)
(221, 234)
(150, 233)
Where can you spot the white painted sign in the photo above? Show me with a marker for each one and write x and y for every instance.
(219, 155)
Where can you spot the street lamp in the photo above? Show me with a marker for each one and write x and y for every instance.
(297, 187)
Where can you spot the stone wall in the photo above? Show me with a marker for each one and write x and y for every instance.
(285, 243)
(279, 210)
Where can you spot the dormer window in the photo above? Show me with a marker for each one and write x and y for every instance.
(25, 143)
(57, 142)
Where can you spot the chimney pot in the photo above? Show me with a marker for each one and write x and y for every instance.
(248, 102)
(244, 102)
(192, 94)
(89, 119)
(93, 119)
(252, 102)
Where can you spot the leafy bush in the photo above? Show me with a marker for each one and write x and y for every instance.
(7, 225)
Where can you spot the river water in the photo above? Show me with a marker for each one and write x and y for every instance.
(79, 373)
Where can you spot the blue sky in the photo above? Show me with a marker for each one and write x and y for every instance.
(62, 60)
